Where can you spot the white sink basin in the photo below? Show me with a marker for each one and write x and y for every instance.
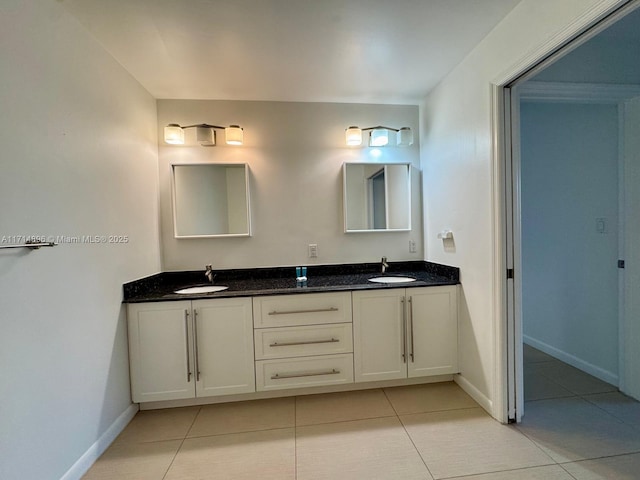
(397, 279)
(204, 289)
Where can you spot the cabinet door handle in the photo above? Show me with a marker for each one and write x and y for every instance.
(411, 327)
(195, 343)
(279, 376)
(308, 342)
(403, 338)
(186, 336)
(317, 310)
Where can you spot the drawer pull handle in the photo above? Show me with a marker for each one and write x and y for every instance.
(308, 342)
(289, 312)
(279, 376)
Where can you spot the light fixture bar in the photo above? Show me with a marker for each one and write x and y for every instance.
(378, 136)
(205, 134)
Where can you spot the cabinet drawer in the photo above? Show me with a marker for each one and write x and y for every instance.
(301, 309)
(303, 341)
(304, 372)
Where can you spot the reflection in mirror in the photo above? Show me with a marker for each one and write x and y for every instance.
(211, 200)
(377, 197)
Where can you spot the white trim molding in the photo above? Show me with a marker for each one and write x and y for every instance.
(564, 41)
(601, 373)
(604, 93)
(480, 398)
(88, 458)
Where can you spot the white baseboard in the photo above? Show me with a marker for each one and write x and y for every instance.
(83, 464)
(474, 393)
(601, 373)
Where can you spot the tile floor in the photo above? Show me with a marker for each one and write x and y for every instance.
(575, 427)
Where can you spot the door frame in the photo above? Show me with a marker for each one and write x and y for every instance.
(508, 387)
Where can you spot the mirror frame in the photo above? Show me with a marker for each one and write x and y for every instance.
(202, 164)
(344, 197)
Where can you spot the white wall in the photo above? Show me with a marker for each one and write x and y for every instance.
(79, 157)
(295, 152)
(569, 178)
(457, 162)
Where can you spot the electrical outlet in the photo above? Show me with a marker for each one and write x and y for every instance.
(601, 225)
(313, 250)
(412, 246)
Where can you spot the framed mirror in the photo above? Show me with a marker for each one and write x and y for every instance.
(377, 197)
(211, 200)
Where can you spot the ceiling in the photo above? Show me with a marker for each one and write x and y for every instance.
(354, 51)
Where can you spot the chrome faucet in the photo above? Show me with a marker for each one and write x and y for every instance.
(209, 273)
(385, 265)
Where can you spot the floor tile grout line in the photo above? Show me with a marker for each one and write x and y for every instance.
(573, 393)
(574, 461)
(552, 380)
(184, 439)
(636, 452)
(537, 445)
(407, 433)
(384, 392)
(635, 427)
(478, 407)
(346, 421)
(584, 397)
(567, 388)
(473, 475)
(567, 471)
(241, 432)
(550, 398)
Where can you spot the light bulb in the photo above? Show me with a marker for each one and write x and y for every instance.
(174, 134)
(405, 137)
(379, 137)
(234, 135)
(353, 136)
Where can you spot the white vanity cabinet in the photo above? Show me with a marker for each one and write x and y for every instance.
(187, 349)
(400, 333)
(303, 340)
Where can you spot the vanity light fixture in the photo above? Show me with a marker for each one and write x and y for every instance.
(379, 136)
(353, 136)
(404, 137)
(205, 134)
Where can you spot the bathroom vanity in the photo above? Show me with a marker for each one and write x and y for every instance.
(267, 336)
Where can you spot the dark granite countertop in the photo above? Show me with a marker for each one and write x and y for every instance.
(282, 280)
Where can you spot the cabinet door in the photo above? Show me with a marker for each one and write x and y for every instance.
(379, 341)
(433, 330)
(223, 334)
(160, 356)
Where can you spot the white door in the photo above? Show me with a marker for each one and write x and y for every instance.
(379, 340)
(223, 343)
(432, 331)
(630, 321)
(160, 357)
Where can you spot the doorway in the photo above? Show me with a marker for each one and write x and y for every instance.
(568, 191)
